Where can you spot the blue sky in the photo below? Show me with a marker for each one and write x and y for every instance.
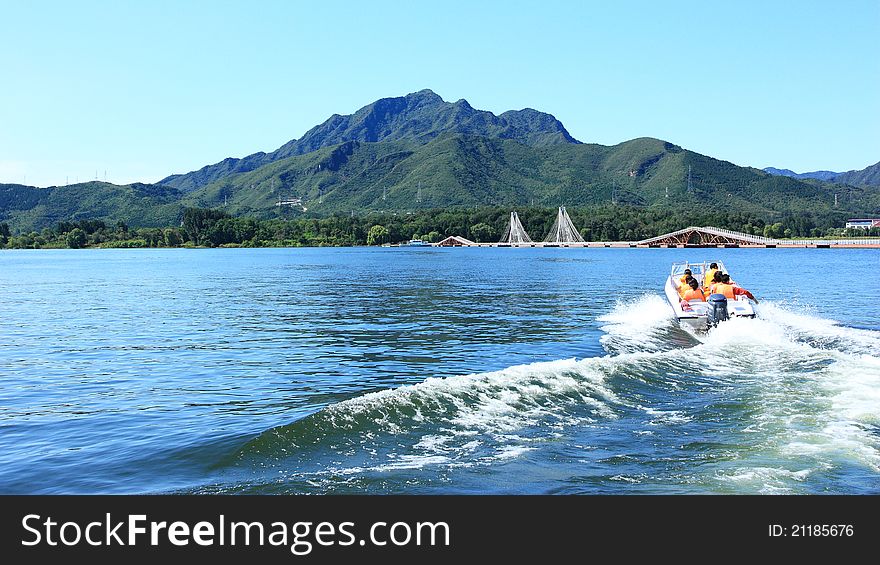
(145, 89)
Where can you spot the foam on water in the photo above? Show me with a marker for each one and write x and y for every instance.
(821, 332)
(665, 416)
(850, 427)
(638, 324)
(499, 401)
(801, 407)
(441, 422)
(819, 392)
(764, 480)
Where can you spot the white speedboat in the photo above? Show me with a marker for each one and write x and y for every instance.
(701, 315)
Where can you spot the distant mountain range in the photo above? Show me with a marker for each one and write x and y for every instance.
(418, 151)
(869, 176)
(820, 175)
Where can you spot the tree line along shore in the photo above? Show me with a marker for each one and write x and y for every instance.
(201, 227)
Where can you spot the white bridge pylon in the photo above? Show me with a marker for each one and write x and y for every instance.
(515, 232)
(563, 230)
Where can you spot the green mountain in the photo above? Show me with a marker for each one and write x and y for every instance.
(869, 176)
(29, 208)
(418, 117)
(418, 152)
(465, 170)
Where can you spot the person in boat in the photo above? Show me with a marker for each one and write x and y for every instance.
(694, 292)
(716, 278)
(682, 280)
(684, 285)
(731, 290)
(710, 275)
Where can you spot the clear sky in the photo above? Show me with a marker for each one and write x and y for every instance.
(145, 89)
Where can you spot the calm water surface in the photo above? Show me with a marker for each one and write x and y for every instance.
(433, 371)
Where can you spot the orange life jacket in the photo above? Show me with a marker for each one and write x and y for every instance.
(694, 294)
(725, 289)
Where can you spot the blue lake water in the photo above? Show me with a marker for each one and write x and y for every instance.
(433, 371)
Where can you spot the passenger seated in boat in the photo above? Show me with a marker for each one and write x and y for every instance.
(730, 290)
(710, 275)
(713, 288)
(682, 280)
(694, 292)
(684, 285)
(716, 278)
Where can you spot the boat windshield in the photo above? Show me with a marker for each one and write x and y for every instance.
(697, 269)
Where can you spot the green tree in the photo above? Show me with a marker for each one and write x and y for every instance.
(197, 222)
(172, 237)
(153, 237)
(776, 230)
(76, 238)
(482, 232)
(4, 234)
(220, 232)
(377, 234)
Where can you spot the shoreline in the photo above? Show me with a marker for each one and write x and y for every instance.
(537, 244)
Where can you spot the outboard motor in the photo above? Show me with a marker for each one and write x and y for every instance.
(717, 309)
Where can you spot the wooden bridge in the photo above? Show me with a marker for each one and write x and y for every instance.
(688, 237)
(706, 237)
(718, 237)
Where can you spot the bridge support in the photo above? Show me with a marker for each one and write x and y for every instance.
(515, 233)
(563, 230)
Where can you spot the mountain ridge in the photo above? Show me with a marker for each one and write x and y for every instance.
(818, 175)
(419, 116)
(869, 176)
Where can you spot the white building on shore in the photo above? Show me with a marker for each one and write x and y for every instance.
(863, 223)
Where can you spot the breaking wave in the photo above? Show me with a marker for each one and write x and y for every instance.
(782, 399)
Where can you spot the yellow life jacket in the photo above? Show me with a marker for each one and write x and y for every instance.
(710, 274)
